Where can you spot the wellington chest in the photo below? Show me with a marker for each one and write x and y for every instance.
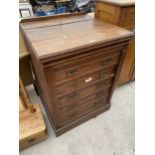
(76, 62)
(121, 13)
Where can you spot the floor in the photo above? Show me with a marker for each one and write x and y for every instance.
(111, 133)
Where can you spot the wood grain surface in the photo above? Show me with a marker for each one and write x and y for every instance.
(31, 123)
(123, 16)
(54, 39)
(119, 2)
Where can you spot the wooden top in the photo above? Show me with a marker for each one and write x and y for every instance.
(119, 2)
(58, 36)
(31, 123)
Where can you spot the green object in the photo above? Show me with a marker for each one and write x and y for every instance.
(25, 69)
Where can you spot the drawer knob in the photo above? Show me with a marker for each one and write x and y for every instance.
(108, 61)
(73, 71)
(88, 79)
(72, 95)
(72, 106)
(31, 140)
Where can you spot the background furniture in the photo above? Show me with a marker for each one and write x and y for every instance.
(76, 61)
(121, 13)
(32, 128)
(24, 62)
(25, 9)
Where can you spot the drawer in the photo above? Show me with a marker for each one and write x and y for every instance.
(97, 86)
(26, 142)
(80, 70)
(66, 88)
(128, 17)
(75, 114)
(83, 100)
(84, 81)
(94, 77)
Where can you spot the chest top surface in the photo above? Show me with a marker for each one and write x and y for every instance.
(119, 2)
(56, 36)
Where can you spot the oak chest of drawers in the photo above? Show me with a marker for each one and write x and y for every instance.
(76, 61)
(121, 13)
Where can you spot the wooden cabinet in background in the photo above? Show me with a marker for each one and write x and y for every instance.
(22, 46)
(121, 13)
(76, 60)
(128, 68)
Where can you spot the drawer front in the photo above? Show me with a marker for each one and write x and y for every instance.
(32, 139)
(128, 18)
(67, 87)
(89, 95)
(83, 81)
(86, 81)
(91, 78)
(75, 114)
(97, 86)
(82, 69)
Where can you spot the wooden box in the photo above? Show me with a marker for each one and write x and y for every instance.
(121, 13)
(32, 128)
(76, 61)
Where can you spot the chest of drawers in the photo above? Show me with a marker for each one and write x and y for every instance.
(121, 13)
(76, 61)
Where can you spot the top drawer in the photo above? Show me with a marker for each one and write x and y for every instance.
(85, 68)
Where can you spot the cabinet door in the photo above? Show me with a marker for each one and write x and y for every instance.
(127, 73)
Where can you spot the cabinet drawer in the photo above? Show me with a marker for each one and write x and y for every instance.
(77, 104)
(84, 95)
(94, 77)
(95, 87)
(84, 81)
(128, 18)
(26, 142)
(75, 114)
(79, 70)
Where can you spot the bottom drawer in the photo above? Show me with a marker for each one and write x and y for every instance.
(100, 94)
(32, 139)
(89, 107)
